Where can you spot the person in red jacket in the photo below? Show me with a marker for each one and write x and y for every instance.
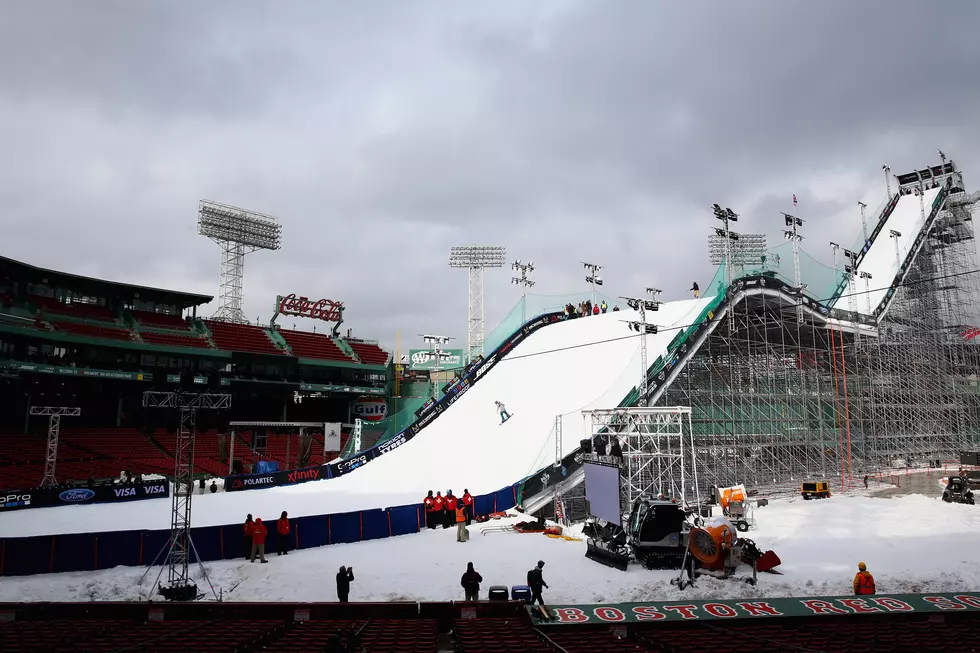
(282, 535)
(467, 500)
(247, 531)
(430, 510)
(258, 540)
(439, 514)
(450, 515)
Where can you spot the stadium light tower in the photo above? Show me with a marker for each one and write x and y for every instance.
(864, 222)
(476, 258)
(238, 232)
(895, 235)
(436, 343)
(867, 289)
(888, 180)
(592, 277)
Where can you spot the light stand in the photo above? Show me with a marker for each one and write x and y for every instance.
(895, 235)
(851, 270)
(593, 277)
(888, 180)
(476, 258)
(867, 289)
(641, 327)
(436, 343)
(524, 281)
(179, 546)
(791, 234)
(54, 415)
(864, 223)
(560, 516)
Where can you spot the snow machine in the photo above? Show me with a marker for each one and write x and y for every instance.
(958, 491)
(815, 490)
(658, 532)
(716, 550)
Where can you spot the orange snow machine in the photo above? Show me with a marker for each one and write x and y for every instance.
(715, 549)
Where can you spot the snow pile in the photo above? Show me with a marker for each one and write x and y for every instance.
(911, 544)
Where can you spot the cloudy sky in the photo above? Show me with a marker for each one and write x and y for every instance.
(383, 133)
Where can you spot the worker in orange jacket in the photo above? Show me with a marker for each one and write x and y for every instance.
(258, 540)
(282, 534)
(864, 582)
(461, 533)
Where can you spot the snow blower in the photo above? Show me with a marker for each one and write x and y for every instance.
(716, 550)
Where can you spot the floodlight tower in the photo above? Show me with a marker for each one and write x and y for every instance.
(726, 215)
(524, 281)
(851, 270)
(641, 327)
(436, 343)
(238, 232)
(476, 258)
(791, 234)
(888, 180)
(592, 277)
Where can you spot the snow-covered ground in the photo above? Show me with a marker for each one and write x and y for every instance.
(910, 543)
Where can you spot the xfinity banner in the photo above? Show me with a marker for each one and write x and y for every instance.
(49, 497)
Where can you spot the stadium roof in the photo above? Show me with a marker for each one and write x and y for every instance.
(16, 270)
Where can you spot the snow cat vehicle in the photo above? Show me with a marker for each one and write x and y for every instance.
(958, 491)
(655, 535)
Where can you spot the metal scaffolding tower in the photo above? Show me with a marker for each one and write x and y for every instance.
(238, 232)
(475, 258)
(54, 415)
(658, 450)
(179, 585)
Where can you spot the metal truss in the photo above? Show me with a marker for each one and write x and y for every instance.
(476, 258)
(54, 415)
(775, 400)
(230, 283)
(181, 544)
(658, 450)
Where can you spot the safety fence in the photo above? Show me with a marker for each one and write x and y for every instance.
(43, 554)
(62, 496)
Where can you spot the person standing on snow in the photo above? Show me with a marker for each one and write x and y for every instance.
(504, 415)
(344, 577)
(535, 580)
(864, 582)
(282, 534)
(696, 290)
(247, 532)
(430, 510)
(467, 500)
(449, 517)
(439, 510)
(471, 583)
(462, 534)
(604, 307)
(258, 540)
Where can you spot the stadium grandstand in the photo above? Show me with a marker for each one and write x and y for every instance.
(74, 341)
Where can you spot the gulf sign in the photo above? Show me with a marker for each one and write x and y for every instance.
(370, 409)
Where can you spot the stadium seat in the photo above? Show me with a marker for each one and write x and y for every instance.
(369, 353)
(85, 311)
(173, 339)
(161, 320)
(241, 337)
(313, 345)
(92, 330)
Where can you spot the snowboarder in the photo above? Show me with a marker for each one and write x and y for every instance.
(504, 415)
(344, 577)
(696, 290)
(535, 581)
(471, 583)
(864, 582)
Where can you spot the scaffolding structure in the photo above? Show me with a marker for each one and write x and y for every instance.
(779, 394)
(659, 456)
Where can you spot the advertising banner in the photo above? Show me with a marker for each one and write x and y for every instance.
(785, 607)
(417, 360)
(285, 477)
(331, 436)
(49, 497)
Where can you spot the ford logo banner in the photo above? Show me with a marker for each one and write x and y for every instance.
(76, 495)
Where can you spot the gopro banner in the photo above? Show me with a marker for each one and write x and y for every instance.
(50, 497)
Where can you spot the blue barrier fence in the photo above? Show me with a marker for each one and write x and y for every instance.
(44, 554)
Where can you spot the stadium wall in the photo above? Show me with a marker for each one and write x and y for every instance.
(46, 554)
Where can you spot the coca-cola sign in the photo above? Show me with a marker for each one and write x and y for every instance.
(323, 309)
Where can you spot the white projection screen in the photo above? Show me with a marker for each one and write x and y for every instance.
(602, 492)
(331, 436)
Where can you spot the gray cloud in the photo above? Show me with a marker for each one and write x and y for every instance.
(384, 133)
